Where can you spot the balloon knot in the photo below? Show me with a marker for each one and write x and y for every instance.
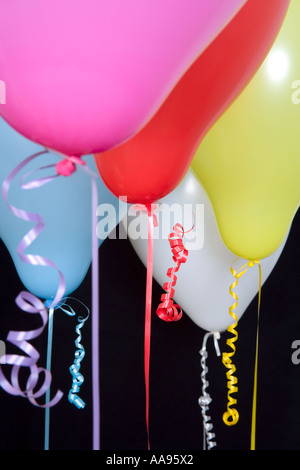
(67, 166)
(149, 208)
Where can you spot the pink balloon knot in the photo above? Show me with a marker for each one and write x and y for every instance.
(67, 166)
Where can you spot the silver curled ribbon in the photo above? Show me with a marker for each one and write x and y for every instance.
(205, 399)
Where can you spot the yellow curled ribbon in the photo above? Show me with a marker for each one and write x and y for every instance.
(231, 416)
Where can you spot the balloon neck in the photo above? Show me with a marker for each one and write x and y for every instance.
(48, 304)
(68, 166)
(149, 209)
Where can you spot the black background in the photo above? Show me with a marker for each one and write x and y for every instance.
(175, 381)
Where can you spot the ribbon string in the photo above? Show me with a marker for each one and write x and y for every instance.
(205, 399)
(74, 369)
(254, 400)
(167, 309)
(152, 222)
(95, 320)
(27, 301)
(48, 367)
(29, 304)
(29, 238)
(231, 416)
(78, 378)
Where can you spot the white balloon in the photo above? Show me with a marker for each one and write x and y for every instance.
(202, 287)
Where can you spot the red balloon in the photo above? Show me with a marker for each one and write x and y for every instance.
(152, 163)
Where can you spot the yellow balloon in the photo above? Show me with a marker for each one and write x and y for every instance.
(249, 162)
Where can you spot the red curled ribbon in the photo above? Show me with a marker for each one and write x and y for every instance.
(167, 309)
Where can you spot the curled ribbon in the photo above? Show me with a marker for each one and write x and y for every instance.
(175, 240)
(205, 399)
(64, 168)
(231, 416)
(167, 309)
(28, 302)
(78, 378)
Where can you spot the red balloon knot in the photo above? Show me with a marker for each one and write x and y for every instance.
(149, 209)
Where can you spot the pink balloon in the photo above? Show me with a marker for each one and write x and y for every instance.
(82, 76)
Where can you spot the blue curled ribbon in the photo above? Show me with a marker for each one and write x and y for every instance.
(78, 378)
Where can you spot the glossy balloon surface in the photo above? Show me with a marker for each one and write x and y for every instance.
(249, 161)
(83, 76)
(151, 164)
(65, 206)
(202, 287)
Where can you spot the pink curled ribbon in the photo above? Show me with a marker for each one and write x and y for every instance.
(27, 301)
(167, 309)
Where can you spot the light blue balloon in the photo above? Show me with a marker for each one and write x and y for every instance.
(66, 207)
